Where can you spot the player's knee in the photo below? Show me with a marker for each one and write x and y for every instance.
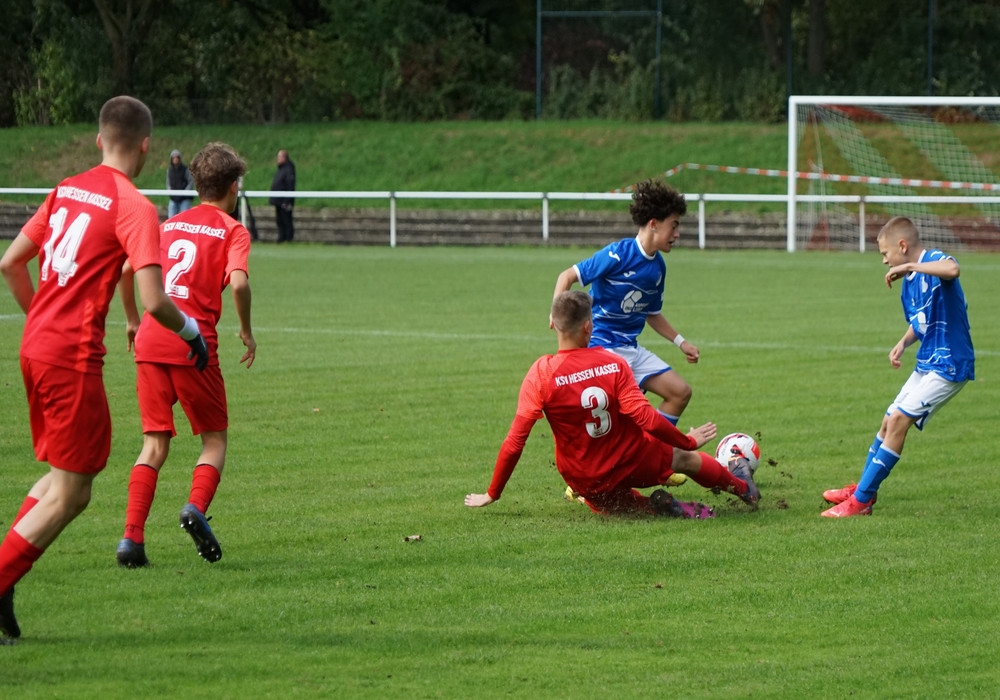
(898, 424)
(684, 393)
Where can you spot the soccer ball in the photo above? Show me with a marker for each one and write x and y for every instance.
(738, 445)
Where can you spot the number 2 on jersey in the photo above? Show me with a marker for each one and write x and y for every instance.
(595, 400)
(183, 251)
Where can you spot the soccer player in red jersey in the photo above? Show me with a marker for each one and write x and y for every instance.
(202, 250)
(82, 235)
(609, 440)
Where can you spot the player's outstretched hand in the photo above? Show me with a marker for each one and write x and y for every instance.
(199, 351)
(478, 500)
(703, 433)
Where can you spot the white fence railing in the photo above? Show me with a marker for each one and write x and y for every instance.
(392, 197)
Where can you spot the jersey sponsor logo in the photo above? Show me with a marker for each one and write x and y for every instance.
(196, 229)
(78, 195)
(629, 273)
(614, 255)
(585, 374)
(633, 303)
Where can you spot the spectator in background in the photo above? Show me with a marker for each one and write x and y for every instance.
(284, 181)
(178, 178)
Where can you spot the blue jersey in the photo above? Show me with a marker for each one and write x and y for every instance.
(937, 312)
(626, 285)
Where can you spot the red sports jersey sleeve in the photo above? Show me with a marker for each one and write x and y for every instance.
(199, 249)
(597, 415)
(85, 230)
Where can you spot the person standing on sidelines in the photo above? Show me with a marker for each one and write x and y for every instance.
(284, 181)
(936, 313)
(179, 178)
(203, 250)
(626, 281)
(83, 233)
(609, 440)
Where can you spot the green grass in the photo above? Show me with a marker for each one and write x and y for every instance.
(588, 156)
(384, 385)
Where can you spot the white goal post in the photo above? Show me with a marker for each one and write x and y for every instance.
(931, 158)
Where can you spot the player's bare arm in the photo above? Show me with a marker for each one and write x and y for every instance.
(14, 267)
(126, 292)
(659, 323)
(896, 354)
(240, 285)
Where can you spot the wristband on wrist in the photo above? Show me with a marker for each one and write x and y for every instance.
(190, 329)
(678, 340)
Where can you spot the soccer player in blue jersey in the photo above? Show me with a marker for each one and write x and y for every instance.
(626, 281)
(935, 309)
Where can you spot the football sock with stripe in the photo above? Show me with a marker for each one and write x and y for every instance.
(875, 473)
(672, 419)
(872, 451)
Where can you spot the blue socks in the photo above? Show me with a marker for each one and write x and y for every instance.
(672, 419)
(880, 462)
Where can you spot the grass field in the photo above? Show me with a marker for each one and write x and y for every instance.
(384, 385)
(585, 156)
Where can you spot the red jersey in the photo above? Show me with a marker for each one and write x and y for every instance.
(199, 249)
(598, 415)
(85, 230)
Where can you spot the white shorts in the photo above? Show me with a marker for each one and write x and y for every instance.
(642, 362)
(922, 395)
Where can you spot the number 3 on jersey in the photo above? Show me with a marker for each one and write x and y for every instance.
(595, 400)
(183, 251)
(63, 245)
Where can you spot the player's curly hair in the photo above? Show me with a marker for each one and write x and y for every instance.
(652, 199)
(215, 168)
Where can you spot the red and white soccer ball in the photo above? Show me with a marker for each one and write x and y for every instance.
(738, 445)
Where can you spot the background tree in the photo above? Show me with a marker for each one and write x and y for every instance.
(308, 60)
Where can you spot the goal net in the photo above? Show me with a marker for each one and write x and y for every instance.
(855, 162)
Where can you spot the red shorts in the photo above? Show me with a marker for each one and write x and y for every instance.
(70, 420)
(202, 395)
(651, 466)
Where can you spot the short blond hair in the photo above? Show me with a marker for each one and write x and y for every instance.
(570, 310)
(900, 227)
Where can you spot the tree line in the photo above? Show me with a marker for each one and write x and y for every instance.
(275, 61)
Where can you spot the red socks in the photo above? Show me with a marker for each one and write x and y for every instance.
(713, 475)
(204, 484)
(141, 489)
(17, 556)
